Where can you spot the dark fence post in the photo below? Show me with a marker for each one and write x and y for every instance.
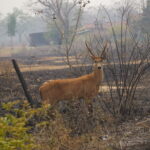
(23, 83)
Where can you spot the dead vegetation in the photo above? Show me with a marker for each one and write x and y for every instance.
(5, 68)
(73, 129)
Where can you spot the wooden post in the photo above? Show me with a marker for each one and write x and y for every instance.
(23, 83)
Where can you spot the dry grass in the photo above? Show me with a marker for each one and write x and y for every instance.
(108, 135)
(6, 68)
(145, 123)
(8, 51)
(25, 68)
(40, 67)
(55, 58)
(55, 136)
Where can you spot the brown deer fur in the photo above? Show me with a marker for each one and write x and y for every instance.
(86, 87)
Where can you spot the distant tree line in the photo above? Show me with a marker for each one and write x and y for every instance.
(145, 21)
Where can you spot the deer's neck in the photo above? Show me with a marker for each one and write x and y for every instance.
(98, 75)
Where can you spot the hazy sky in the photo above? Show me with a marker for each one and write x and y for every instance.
(7, 5)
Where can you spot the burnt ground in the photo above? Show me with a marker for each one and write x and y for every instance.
(10, 86)
(133, 132)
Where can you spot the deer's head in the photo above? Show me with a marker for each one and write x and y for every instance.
(98, 60)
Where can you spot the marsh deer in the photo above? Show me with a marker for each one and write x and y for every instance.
(85, 87)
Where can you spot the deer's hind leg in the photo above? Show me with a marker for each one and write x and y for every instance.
(89, 105)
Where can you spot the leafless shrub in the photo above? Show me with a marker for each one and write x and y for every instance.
(128, 61)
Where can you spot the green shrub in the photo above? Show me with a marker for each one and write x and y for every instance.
(13, 132)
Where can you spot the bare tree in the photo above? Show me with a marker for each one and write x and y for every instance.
(66, 16)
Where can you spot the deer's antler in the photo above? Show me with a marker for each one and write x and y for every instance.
(89, 49)
(103, 54)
